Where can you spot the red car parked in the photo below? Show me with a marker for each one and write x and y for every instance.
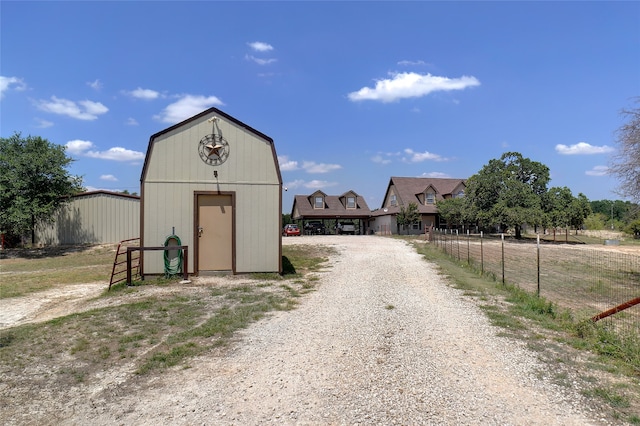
(291, 230)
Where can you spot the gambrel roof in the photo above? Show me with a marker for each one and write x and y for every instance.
(334, 206)
(412, 189)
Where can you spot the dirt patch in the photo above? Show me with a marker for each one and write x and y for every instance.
(48, 304)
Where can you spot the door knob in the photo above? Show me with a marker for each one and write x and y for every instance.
(200, 229)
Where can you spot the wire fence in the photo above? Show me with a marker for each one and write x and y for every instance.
(587, 281)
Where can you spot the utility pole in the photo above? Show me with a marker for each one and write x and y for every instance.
(612, 215)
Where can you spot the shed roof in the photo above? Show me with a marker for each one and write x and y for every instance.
(104, 192)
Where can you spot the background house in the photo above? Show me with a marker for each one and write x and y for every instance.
(215, 183)
(92, 218)
(331, 210)
(425, 192)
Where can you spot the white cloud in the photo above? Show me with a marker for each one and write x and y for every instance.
(131, 122)
(145, 94)
(260, 61)
(319, 184)
(110, 178)
(313, 184)
(287, 165)
(582, 148)
(313, 167)
(439, 175)
(598, 171)
(81, 110)
(260, 46)
(116, 153)
(95, 85)
(11, 83)
(411, 85)
(380, 159)
(78, 147)
(185, 107)
(294, 184)
(410, 63)
(84, 148)
(418, 157)
(43, 124)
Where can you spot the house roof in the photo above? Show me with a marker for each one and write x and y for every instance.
(334, 206)
(407, 190)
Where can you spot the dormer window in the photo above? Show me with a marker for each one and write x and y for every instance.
(351, 202)
(429, 198)
(393, 200)
(460, 194)
(318, 203)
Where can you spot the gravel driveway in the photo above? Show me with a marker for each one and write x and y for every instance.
(383, 340)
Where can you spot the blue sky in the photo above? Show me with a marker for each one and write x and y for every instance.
(351, 92)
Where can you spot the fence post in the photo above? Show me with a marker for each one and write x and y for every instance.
(538, 250)
(481, 254)
(468, 248)
(458, 244)
(502, 237)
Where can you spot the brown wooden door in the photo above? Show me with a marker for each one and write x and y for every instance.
(215, 233)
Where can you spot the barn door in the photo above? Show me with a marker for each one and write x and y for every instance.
(215, 233)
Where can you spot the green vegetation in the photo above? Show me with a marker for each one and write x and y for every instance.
(407, 216)
(512, 191)
(526, 316)
(33, 181)
(31, 270)
(614, 215)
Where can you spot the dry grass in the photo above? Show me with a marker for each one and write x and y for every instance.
(25, 271)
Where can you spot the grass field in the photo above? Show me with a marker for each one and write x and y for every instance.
(585, 278)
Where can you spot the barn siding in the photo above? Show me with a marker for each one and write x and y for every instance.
(92, 218)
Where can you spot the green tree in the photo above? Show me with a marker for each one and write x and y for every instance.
(507, 192)
(453, 210)
(408, 216)
(556, 205)
(286, 219)
(33, 181)
(634, 228)
(625, 163)
(580, 209)
(595, 221)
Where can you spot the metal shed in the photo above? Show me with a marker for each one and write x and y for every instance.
(215, 183)
(92, 218)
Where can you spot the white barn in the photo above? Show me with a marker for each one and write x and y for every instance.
(215, 183)
(94, 217)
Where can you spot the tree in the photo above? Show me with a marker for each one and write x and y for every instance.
(580, 210)
(556, 204)
(33, 182)
(625, 164)
(453, 210)
(286, 219)
(507, 192)
(562, 209)
(408, 216)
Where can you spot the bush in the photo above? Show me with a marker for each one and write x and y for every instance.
(633, 228)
